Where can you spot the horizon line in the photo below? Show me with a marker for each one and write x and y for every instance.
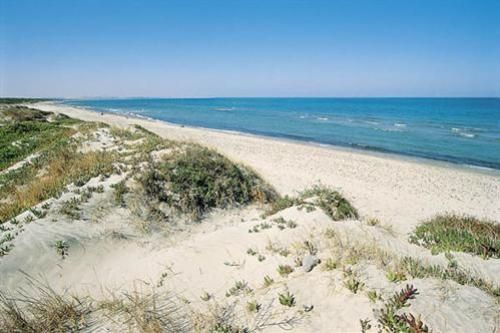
(250, 97)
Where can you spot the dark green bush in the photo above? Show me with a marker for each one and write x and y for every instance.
(197, 179)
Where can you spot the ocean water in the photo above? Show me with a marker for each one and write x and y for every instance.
(458, 130)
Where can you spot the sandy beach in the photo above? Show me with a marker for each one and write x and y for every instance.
(398, 191)
(144, 229)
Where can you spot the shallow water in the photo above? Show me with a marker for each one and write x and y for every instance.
(459, 130)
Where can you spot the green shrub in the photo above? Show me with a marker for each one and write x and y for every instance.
(450, 232)
(197, 179)
(330, 201)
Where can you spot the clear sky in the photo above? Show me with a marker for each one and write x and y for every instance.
(188, 48)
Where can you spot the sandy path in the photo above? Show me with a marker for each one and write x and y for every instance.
(398, 191)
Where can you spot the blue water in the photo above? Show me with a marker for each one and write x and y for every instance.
(459, 130)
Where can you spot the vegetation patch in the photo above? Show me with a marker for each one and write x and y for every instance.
(330, 201)
(349, 253)
(389, 318)
(461, 233)
(62, 166)
(196, 179)
(46, 312)
(28, 133)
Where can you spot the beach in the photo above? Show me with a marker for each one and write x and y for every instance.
(399, 191)
(108, 220)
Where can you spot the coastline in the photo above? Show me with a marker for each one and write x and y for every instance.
(400, 190)
(349, 149)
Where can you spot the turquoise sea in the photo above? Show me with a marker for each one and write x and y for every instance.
(458, 130)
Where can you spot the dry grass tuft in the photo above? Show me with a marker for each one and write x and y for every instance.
(47, 311)
(147, 313)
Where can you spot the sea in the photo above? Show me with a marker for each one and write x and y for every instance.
(458, 130)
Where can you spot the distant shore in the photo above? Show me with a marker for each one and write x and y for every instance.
(401, 190)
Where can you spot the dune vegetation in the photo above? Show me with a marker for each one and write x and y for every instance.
(460, 233)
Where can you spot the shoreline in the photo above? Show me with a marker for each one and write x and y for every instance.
(344, 148)
(401, 192)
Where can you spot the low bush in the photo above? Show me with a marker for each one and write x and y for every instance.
(196, 179)
(461, 233)
(330, 201)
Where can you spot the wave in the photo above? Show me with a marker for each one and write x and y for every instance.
(463, 133)
(224, 109)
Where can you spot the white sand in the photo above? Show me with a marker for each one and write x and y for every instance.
(109, 254)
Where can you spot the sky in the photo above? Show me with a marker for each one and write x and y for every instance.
(235, 48)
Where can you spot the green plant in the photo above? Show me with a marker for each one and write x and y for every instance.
(310, 247)
(251, 252)
(279, 204)
(196, 179)
(38, 213)
(62, 248)
(29, 218)
(353, 284)
(120, 189)
(205, 297)
(451, 232)
(390, 321)
(395, 276)
(373, 296)
(71, 208)
(365, 325)
(287, 299)
(330, 264)
(331, 202)
(285, 270)
(261, 257)
(373, 221)
(268, 281)
(416, 269)
(240, 287)
(253, 306)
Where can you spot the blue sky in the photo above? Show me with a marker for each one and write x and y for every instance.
(249, 48)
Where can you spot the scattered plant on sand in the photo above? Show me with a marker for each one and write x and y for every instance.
(395, 276)
(285, 270)
(287, 299)
(268, 281)
(390, 321)
(62, 248)
(240, 287)
(120, 189)
(253, 306)
(365, 325)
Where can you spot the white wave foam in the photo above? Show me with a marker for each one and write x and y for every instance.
(463, 133)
